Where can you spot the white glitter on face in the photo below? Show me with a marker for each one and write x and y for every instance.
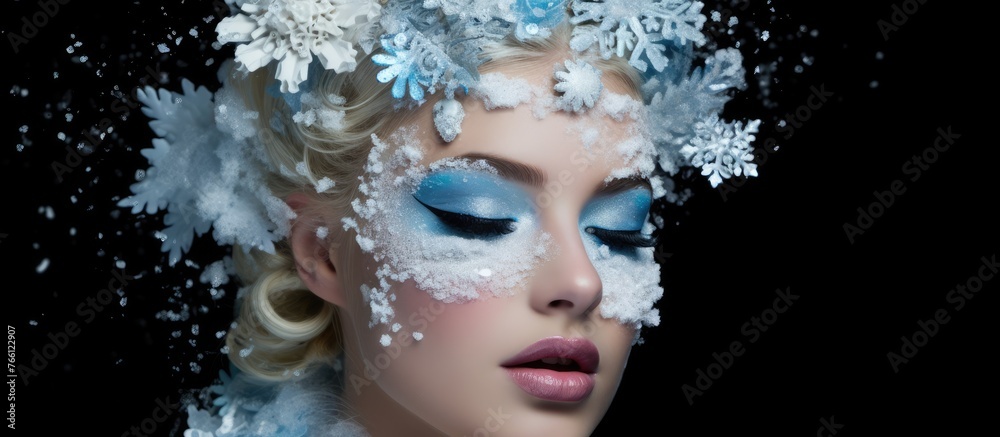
(410, 242)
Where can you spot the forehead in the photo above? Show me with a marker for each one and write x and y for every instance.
(536, 134)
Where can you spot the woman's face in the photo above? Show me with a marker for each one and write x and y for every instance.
(494, 250)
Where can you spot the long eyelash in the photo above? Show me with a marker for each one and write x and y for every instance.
(622, 238)
(471, 224)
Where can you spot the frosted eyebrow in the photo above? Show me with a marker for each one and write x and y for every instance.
(533, 176)
(513, 170)
(624, 184)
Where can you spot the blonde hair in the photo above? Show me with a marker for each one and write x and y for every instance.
(283, 328)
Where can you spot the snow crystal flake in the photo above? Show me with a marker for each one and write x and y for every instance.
(640, 27)
(193, 151)
(580, 85)
(293, 33)
(721, 149)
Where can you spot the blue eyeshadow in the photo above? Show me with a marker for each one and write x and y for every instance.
(624, 211)
(473, 193)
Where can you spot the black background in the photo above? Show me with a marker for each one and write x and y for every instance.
(724, 255)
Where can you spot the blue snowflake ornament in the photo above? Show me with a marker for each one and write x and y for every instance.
(399, 62)
(536, 18)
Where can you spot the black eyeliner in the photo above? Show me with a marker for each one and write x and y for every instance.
(471, 224)
(622, 238)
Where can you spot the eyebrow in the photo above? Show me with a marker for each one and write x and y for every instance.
(531, 175)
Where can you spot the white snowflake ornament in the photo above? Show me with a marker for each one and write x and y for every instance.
(580, 85)
(293, 31)
(638, 27)
(722, 149)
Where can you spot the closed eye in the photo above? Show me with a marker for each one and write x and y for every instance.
(615, 238)
(470, 224)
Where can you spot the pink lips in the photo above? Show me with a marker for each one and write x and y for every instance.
(566, 375)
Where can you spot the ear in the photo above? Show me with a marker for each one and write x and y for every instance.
(313, 257)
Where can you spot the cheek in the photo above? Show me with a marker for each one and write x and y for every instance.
(631, 284)
(407, 244)
(453, 372)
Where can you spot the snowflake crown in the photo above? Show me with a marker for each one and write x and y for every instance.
(434, 45)
(426, 47)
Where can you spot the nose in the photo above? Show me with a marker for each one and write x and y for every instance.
(567, 282)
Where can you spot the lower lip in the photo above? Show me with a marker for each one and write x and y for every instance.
(553, 385)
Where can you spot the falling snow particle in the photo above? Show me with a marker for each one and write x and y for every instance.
(764, 36)
(324, 184)
(396, 327)
(385, 340)
(120, 264)
(163, 48)
(418, 336)
(42, 266)
(322, 232)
